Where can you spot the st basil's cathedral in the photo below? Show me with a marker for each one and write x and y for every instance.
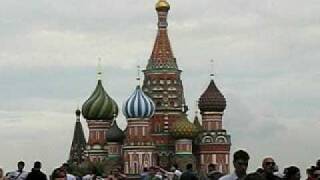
(158, 132)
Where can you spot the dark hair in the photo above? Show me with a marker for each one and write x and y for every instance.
(189, 166)
(260, 170)
(57, 173)
(65, 165)
(310, 170)
(254, 176)
(241, 154)
(290, 171)
(37, 164)
(175, 166)
(21, 163)
(314, 170)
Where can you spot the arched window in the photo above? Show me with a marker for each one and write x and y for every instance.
(221, 139)
(207, 139)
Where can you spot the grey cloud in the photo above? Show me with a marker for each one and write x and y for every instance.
(266, 63)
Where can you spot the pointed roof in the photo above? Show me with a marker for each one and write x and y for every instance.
(162, 56)
(196, 122)
(78, 135)
(212, 100)
(79, 141)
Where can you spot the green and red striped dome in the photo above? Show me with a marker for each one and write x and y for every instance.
(99, 106)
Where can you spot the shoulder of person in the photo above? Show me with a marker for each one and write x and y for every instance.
(226, 177)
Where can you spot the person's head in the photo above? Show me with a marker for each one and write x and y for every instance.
(310, 171)
(20, 165)
(37, 165)
(240, 162)
(189, 167)
(316, 173)
(268, 165)
(254, 176)
(260, 171)
(1, 173)
(65, 167)
(145, 169)
(174, 167)
(211, 167)
(58, 174)
(292, 173)
(115, 171)
(152, 171)
(318, 163)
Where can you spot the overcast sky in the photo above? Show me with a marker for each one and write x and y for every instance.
(266, 64)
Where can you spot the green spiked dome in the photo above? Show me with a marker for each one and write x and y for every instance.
(184, 129)
(99, 106)
(115, 134)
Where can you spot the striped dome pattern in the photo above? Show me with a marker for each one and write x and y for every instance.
(139, 105)
(99, 106)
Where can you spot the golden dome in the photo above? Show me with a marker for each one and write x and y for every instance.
(184, 129)
(162, 5)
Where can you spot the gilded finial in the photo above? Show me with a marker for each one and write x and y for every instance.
(162, 5)
(99, 69)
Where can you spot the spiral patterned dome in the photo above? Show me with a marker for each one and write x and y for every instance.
(115, 134)
(212, 100)
(99, 106)
(184, 129)
(139, 105)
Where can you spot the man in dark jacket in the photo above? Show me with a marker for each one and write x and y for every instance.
(189, 174)
(213, 174)
(36, 174)
(268, 166)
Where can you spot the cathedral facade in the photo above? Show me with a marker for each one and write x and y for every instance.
(158, 130)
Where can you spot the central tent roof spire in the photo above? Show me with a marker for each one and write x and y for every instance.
(162, 56)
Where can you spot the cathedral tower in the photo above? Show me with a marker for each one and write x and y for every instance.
(78, 143)
(99, 111)
(163, 84)
(138, 147)
(214, 141)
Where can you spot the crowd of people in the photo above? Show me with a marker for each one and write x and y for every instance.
(268, 171)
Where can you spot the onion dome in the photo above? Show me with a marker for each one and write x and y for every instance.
(162, 5)
(99, 106)
(212, 100)
(184, 129)
(139, 105)
(115, 134)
